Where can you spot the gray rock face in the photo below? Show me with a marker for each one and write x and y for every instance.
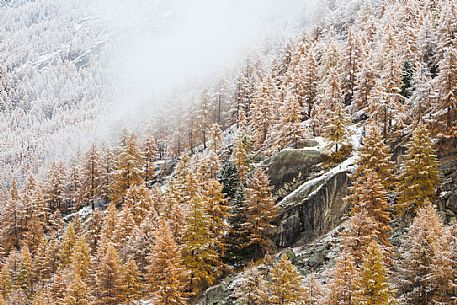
(312, 213)
(291, 163)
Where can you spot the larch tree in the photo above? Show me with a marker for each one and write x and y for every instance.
(132, 282)
(73, 186)
(140, 201)
(76, 293)
(290, 131)
(107, 165)
(67, 246)
(361, 230)
(329, 97)
(417, 256)
(25, 277)
(109, 285)
(261, 110)
(445, 108)
(81, 259)
(386, 102)
(218, 212)
(110, 222)
(375, 155)
(241, 156)
(166, 275)
(11, 219)
(310, 79)
(150, 156)
(253, 288)
(6, 281)
(285, 286)
(420, 175)
(94, 230)
(373, 281)
(91, 173)
(260, 212)
(343, 282)
(55, 187)
(313, 291)
(129, 167)
(444, 268)
(368, 194)
(217, 138)
(42, 261)
(199, 256)
(336, 127)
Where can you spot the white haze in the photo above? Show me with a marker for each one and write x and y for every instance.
(79, 70)
(164, 44)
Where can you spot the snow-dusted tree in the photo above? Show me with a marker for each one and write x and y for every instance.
(67, 246)
(445, 107)
(208, 167)
(24, 278)
(73, 186)
(330, 97)
(142, 241)
(361, 230)
(262, 109)
(444, 268)
(55, 187)
(386, 102)
(81, 259)
(140, 201)
(129, 167)
(218, 211)
(351, 61)
(313, 291)
(110, 223)
(94, 230)
(369, 195)
(42, 261)
(217, 138)
(150, 156)
(290, 132)
(310, 81)
(132, 282)
(166, 274)
(417, 255)
(76, 293)
(198, 253)
(373, 281)
(420, 175)
(285, 286)
(343, 283)
(375, 156)
(109, 285)
(336, 127)
(240, 155)
(11, 219)
(91, 176)
(107, 167)
(260, 211)
(202, 117)
(124, 229)
(253, 288)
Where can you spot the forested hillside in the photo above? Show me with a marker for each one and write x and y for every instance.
(320, 170)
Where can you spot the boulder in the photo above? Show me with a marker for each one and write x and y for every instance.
(292, 163)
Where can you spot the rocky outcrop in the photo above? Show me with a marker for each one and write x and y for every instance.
(291, 164)
(313, 210)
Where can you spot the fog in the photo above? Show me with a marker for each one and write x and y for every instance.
(162, 45)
